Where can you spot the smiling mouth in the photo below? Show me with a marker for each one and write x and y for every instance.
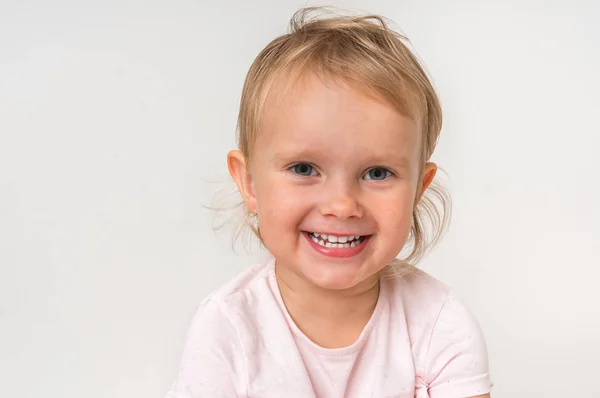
(338, 242)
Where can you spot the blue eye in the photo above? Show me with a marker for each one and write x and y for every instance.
(303, 169)
(378, 174)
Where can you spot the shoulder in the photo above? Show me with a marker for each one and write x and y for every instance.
(243, 291)
(215, 318)
(447, 342)
(246, 280)
(245, 310)
(431, 309)
(428, 302)
(420, 295)
(419, 299)
(219, 339)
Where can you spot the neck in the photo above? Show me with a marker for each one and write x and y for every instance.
(318, 311)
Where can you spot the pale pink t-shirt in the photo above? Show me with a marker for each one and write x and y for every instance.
(420, 342)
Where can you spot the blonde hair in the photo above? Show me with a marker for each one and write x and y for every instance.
(364, 51)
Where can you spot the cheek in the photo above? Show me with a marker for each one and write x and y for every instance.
(281, 210)
(396, 213)
(280, 205)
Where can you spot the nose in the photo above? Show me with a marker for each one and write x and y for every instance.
(340, 201)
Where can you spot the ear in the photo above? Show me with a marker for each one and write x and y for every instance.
(240, 172)
(429, 172)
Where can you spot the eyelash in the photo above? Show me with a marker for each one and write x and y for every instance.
(294, 166)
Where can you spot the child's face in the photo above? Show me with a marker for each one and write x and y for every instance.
(331, 160)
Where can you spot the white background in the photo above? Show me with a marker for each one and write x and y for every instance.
(115, 119)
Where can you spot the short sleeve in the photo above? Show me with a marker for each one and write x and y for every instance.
(457, 360)
(209, 363)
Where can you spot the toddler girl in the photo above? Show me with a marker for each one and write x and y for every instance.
(337, 124)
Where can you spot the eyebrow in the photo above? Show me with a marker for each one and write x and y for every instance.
(397, 162)
(298, 154)
(389, 158)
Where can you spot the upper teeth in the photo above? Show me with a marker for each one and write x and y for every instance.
(336, 239)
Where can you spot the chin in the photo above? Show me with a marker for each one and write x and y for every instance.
(335, 276)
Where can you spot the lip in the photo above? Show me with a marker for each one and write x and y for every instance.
(337, 252)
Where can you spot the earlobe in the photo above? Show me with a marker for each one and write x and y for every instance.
(429, 172)
(239, 170)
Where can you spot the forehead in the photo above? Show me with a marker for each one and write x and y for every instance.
(319, 114)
